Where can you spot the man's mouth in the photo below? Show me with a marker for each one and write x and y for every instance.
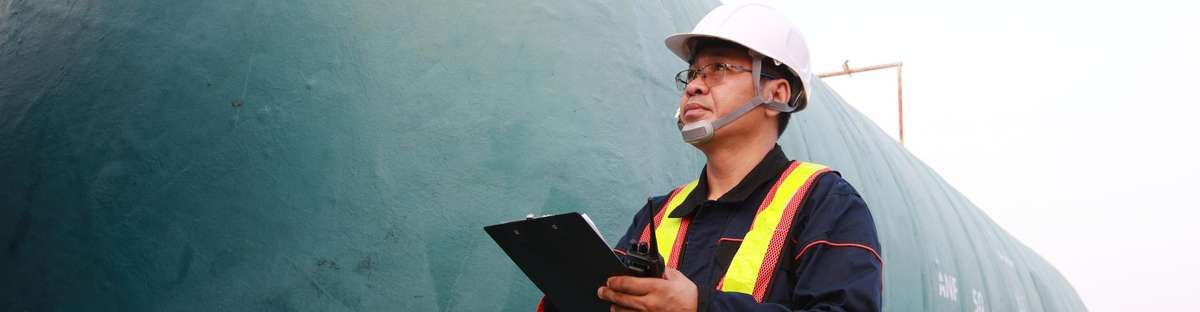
(694, 112)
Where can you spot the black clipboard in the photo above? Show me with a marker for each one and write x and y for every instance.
(563, 255)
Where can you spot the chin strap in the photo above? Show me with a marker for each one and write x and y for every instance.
(701, 131)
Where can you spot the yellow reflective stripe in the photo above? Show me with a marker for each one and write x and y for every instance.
(743, 272)
(668, 228)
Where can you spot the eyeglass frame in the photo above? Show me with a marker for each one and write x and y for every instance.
(682, 84)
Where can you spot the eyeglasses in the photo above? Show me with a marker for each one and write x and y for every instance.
(712, 74)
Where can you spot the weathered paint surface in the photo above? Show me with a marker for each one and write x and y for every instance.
(345, 155)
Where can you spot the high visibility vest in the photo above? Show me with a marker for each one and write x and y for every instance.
(753, 265)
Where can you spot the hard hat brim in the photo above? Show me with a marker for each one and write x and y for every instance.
(680, 43)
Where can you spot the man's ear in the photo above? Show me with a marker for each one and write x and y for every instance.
(780, 89)
(775, 90)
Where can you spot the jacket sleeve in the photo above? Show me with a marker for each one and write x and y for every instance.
(837, 265)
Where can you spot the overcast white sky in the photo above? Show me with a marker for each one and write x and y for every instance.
(1073, 124)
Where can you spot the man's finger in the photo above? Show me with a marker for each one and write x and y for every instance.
(672, 274)
(620, 300)
(634, 285)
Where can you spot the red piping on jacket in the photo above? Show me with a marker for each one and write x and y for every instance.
(868, 248)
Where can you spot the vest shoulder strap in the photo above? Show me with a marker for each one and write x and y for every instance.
(753, 265)
(669, 232)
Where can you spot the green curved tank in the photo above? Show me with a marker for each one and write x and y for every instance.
(345, 155)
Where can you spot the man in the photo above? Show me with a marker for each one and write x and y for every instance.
(755, 232)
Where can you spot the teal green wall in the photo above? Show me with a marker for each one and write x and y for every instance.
(345, 155)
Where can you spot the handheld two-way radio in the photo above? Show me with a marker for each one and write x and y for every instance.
(642, 258)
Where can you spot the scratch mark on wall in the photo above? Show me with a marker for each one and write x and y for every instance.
(313, 281)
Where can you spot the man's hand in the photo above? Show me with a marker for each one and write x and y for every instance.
(674, 292)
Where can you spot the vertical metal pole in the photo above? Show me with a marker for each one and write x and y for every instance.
(846, 71)
(900, 99)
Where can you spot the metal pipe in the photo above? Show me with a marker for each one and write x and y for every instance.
(846, 71)
(900, 100)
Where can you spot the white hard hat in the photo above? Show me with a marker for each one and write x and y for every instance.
(759, 27)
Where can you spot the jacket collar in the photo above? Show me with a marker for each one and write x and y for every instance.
(768, 169)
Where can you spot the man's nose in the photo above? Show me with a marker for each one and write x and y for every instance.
(695, 87)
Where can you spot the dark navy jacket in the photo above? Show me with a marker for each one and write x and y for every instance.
(840, 270)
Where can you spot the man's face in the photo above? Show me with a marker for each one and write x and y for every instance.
(701, 101)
